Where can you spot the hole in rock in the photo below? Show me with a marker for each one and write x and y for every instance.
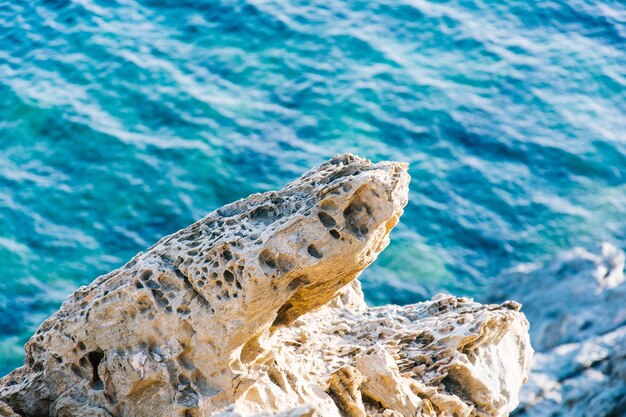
(357, 216)
(264, 215)
(326, 219)
(267, 260)
(281, 316)
(95, 357)
(297, 281)
(228, 276)
(312, 250)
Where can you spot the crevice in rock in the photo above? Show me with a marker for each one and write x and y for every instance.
(95, 357)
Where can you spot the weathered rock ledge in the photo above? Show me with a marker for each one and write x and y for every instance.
(255, 310)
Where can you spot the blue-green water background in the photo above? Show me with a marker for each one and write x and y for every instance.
(123, 121)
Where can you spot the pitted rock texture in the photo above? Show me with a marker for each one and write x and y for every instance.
(445, 357)
(255, 311)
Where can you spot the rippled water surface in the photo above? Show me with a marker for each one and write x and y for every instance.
(124, 121)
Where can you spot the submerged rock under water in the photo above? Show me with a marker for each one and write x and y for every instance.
(576, 305)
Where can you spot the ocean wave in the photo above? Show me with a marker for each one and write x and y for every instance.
(122, 121)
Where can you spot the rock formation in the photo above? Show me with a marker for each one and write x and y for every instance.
(577, 307)
(255, 311)
(6, 411)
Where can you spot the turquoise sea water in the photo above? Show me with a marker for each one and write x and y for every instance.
(123, 121)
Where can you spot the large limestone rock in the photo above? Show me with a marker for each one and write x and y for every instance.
(577, 306)
(255, 311)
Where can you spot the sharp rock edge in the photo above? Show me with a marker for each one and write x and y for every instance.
(255, 311)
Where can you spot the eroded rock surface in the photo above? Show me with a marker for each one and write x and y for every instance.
(577, 307)
(445, 357)
(255, 311)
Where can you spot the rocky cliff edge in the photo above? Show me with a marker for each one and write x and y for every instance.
(255, 310)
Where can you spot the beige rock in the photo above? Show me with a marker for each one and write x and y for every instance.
(344, 387)
(6, 411)
(255, 311)
(384, 384)
(445, 357)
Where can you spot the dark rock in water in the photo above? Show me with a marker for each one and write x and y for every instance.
(576, 306)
